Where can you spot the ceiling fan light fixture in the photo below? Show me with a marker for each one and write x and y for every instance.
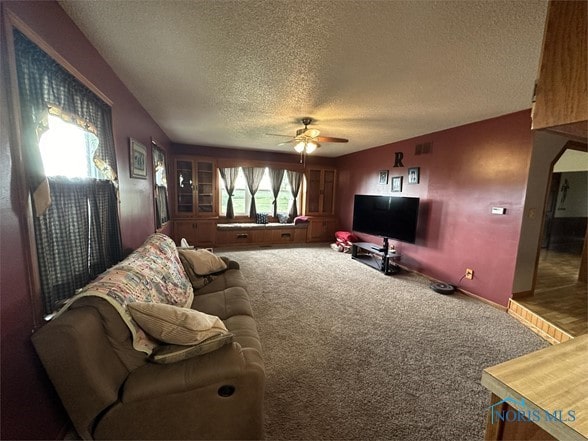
(299, 147)
(311, 147)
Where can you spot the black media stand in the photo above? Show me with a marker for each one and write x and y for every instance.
(375, 256)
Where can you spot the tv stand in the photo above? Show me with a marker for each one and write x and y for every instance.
(375, 256)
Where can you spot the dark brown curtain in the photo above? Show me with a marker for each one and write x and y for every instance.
(76, 221)
(43, 85)
(77, 237)
(229, 176)
(295, 179)
(161, 208)
(276, 177)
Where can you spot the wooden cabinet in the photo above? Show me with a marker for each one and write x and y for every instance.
(236, 236)
(195, 188)
(322, 229)
(260, 234)
(320, 204)
(199, 233)
(320, 191)
(287, 235)
(561, 95)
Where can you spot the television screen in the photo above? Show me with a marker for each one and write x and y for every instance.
(392, 217)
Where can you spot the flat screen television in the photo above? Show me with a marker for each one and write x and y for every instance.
(392, 217)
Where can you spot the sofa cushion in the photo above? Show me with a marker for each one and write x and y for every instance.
(172, 324)
(203, 262)
(167, 354)
(227, 279)
(225, 303)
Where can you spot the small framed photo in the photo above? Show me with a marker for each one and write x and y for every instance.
(138, 159)
(383, 177)
(414, 175)
(397, 183)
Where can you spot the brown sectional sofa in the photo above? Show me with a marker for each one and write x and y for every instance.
(113, 391)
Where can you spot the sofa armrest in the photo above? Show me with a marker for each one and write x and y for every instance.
(215, 396)
(156, 380)
(231, 264)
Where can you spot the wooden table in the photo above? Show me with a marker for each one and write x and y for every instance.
(553, 380)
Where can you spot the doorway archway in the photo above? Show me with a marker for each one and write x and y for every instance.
(546, 230)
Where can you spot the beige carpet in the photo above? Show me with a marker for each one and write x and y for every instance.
(353, 354)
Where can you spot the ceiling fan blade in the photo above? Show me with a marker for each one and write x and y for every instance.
(287, 142)
(275, 134)
(311, 133)
(330, 139)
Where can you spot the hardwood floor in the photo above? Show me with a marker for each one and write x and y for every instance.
(560, 300)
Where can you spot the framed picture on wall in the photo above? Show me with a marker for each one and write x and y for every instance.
(383, 177)
(397, 183)
(138, 159)
(414, 175)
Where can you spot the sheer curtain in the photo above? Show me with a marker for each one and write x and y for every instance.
(276, 177)
(295, 179)
(229, 176)
(76, 220)
(253, 177)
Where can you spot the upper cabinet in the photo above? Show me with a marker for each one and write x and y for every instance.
(320, 191)
(195, 187)
(561, 95)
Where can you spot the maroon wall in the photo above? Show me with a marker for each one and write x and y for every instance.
(470, 169)
(29, 407)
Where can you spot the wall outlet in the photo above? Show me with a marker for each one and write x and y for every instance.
(469, 273)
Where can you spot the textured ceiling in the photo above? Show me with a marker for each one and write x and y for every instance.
(227, 73)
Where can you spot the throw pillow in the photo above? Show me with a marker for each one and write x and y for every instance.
(283, 218)
(261, 218)
(172, 324)
(196, 280)
(167, 354)
(204, 262)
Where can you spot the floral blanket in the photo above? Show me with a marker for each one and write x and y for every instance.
(152, 273)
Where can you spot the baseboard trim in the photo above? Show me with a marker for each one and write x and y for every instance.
(482, 299)
(461, 290)
(522, 294)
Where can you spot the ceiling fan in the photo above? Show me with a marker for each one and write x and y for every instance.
(308, 140)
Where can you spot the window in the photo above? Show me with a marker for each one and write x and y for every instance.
(66, 150)
(263, 198)
(160, 187)
(70, 161)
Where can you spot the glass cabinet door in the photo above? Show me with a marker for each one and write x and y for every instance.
(328, 192)
(314, 191)
(184, 187)
(320, 192)
(195, 188)
(205, 187)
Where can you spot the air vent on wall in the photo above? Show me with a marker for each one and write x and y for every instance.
(422, 149)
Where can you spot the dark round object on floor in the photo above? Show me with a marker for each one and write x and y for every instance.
(226, 390)
(442, 288)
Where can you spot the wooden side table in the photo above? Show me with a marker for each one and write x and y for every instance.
(542, 395)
